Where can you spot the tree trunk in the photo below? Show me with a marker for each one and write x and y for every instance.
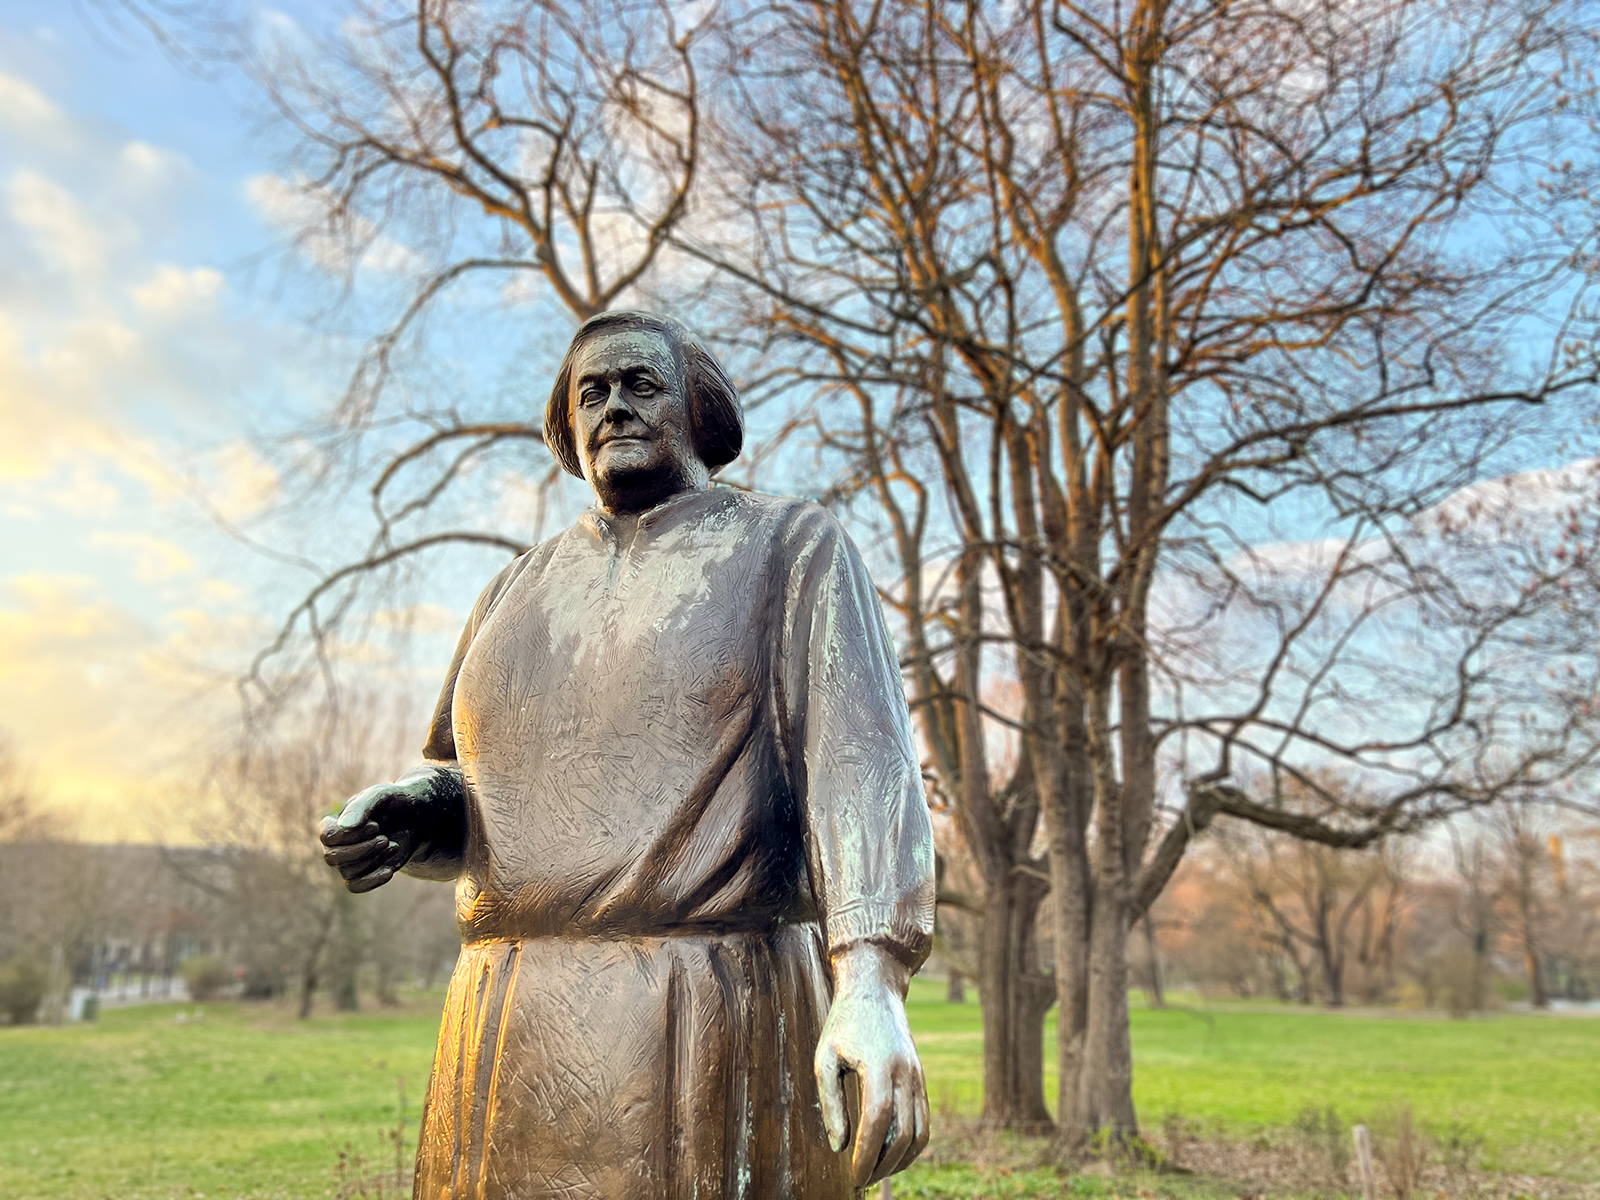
(311, 967)
(349, 946)
(1332, 973)
(1104, 1099)
(1537, 995)
(1069, 898)
(1153, 962)
(1480, 969)
(1009, 987)
(955, 986)
(308, 987)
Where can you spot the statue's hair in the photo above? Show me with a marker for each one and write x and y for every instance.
(716, 419)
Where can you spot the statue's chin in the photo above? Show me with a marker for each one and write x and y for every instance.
(624, 486)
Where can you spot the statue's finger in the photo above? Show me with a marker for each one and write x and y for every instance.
(398, 852)
(365, 883)
(924, 1124)
(362, 866)
(830, 1095)
(902, 1130)
(877, 1113)
(339, 854)
(335, 834)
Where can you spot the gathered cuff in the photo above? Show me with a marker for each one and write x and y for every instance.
(894, 928)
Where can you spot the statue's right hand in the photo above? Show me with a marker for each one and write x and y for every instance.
(377, 833)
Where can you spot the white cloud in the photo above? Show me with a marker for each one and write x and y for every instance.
(417, 618)
(173, 291)
(1512, 504)
(154, 558)
(151, 164)
(239, 482)
(62, 233)
(119, 363)
(27, 110)
(106, 705)
(300, 208)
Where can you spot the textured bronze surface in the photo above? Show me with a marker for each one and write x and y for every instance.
(672, 774)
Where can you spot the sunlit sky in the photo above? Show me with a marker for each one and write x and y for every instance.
(149, 346)
(141, 345)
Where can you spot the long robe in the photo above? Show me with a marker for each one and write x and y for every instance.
(690, 780)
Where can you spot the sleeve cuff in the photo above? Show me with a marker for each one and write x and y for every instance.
(901, 931)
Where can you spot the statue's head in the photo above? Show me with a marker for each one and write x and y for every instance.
(641, 410)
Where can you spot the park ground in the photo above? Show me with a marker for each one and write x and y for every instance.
(244, 1102)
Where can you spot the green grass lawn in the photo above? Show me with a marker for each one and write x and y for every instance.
(1529, 1086)
(246, 1102)
(251, 1103)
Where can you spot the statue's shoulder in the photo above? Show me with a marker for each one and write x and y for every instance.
(513, 570)
(794, 528)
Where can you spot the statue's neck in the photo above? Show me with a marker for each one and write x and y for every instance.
(630, 497)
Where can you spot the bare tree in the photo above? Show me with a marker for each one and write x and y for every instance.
(1474, 916)
(20, 817)
(285, 912)
(1325, 902)
(1521, 831)
(1101, 300)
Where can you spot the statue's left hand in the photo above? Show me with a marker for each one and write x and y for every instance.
(866, 1032)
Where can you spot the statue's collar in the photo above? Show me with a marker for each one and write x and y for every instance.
(611, 525)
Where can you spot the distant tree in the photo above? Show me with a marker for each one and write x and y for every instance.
(283, 905)
(1521, 831)
(20, 817)
(1473, 913)
(1325, 905)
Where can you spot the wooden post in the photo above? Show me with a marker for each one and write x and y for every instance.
(1369, 1181)
(886, 1190)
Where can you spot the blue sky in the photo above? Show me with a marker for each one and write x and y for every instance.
(144, 342)
(151, 345)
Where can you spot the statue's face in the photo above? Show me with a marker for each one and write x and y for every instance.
(630, 412)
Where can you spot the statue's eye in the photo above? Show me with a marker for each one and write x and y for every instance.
(591, 396)
(644, 387)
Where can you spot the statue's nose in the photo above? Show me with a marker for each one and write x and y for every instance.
(617, 407)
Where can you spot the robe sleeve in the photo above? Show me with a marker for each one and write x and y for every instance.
(851, 757)
(440, 748)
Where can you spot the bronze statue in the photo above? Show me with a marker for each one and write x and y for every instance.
(672, 775)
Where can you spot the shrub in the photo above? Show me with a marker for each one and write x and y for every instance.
(22, 986)
(1324, 1141)
(1399, 1147)
(206, 977)
(1461, 982)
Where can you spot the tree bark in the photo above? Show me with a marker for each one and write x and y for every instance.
(1104, 1099)
(955, 986)
(1014, 997)
(1070, 900)
(1153, 962)
(311, 965)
